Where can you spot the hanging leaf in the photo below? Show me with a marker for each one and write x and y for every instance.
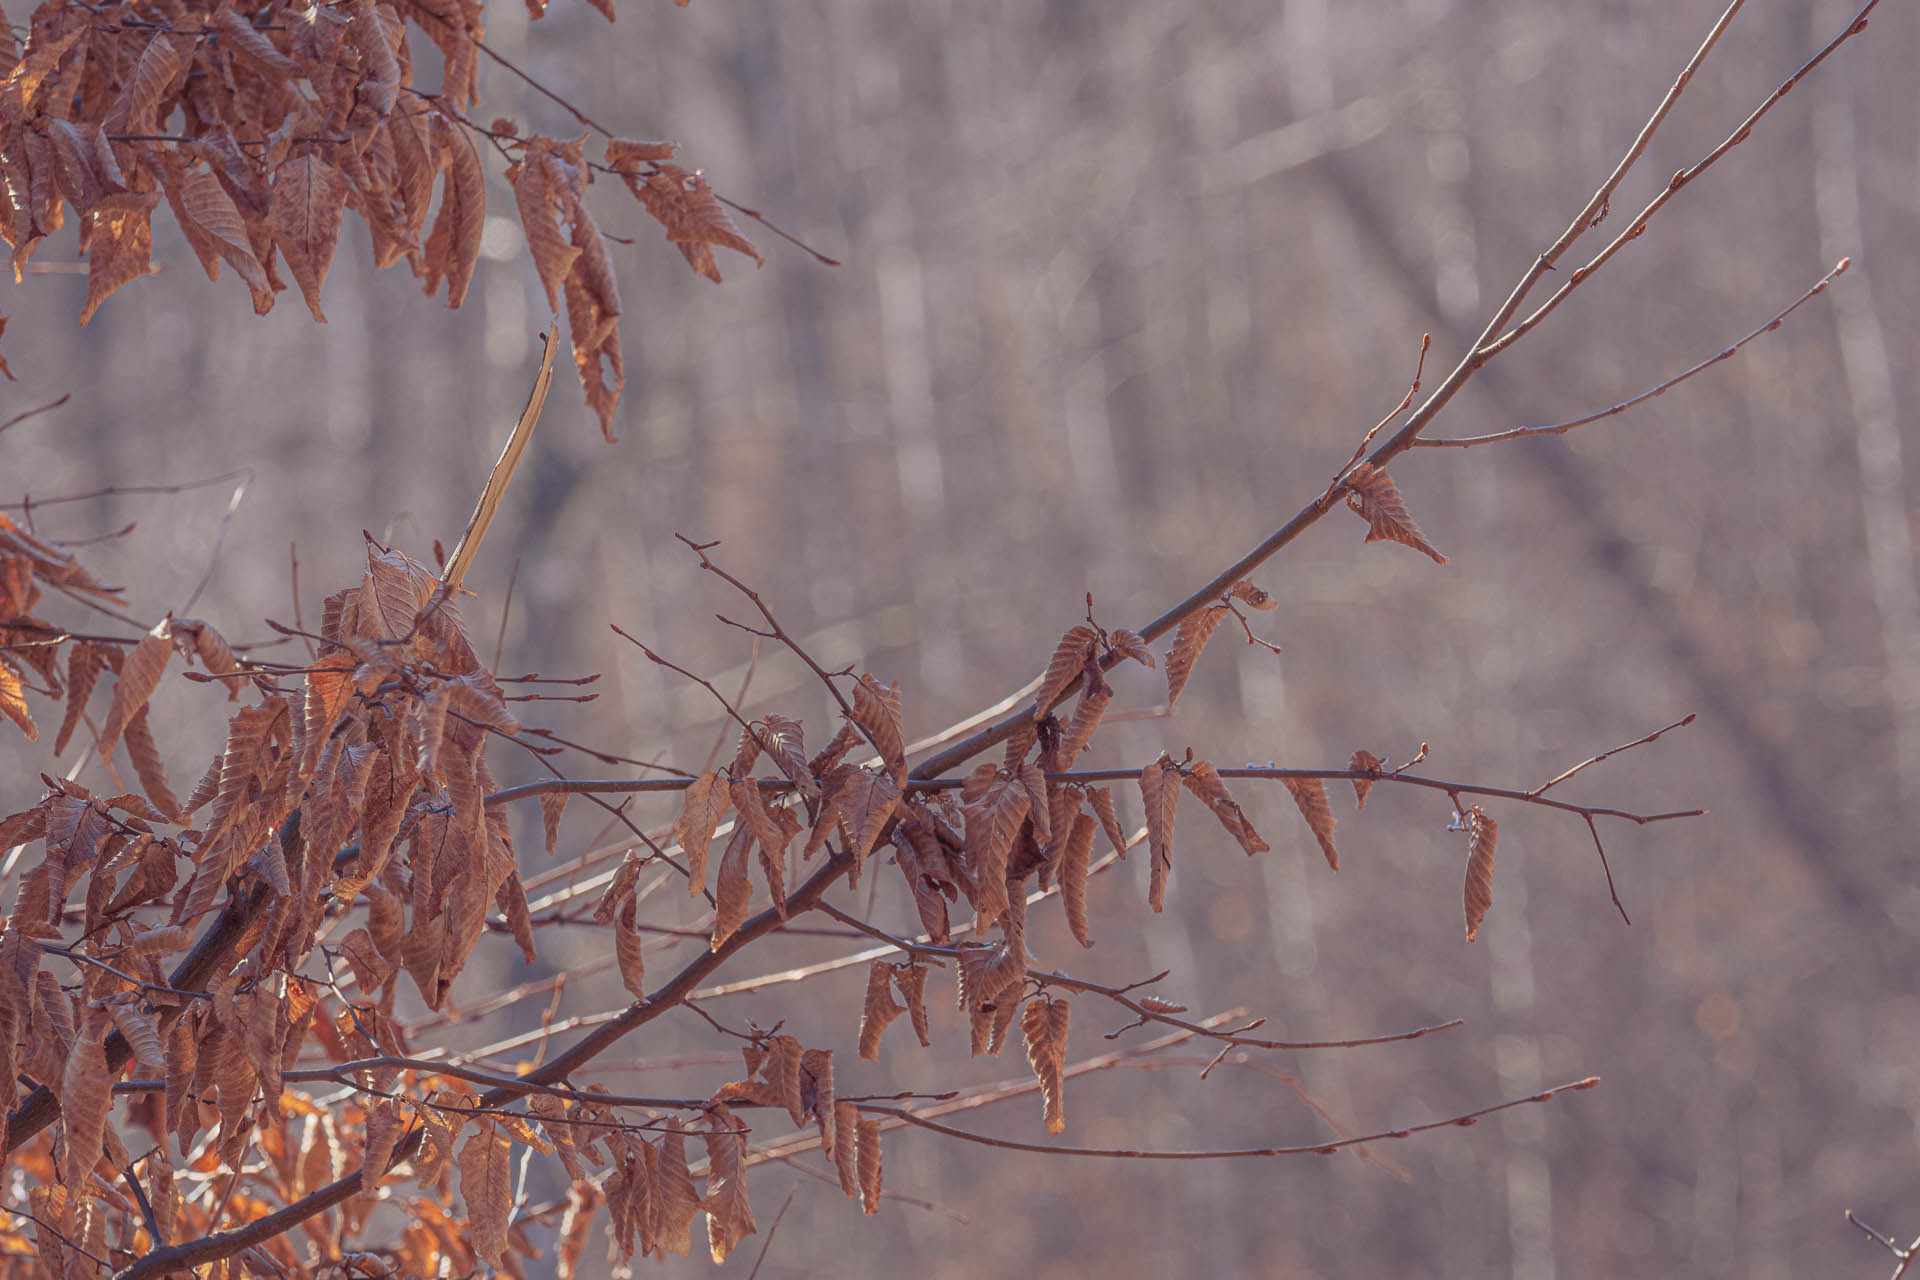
(1044, 1026)
(1069, 657)
(869, 1165)
(1482, 834)
(453, 248)
(1205, 782)
(1075, 857)
(1310, 794)
(705, 804)
(911, 979)
(685, 205)
(627, 949)
(729, 1217)
(1188, 641)
(1101, 798)
(878, 1010)
(732, 891)
(309, 195)
(119, 245)
(876, 709)
(1364, 761)
(140, 675)
(1160, 793)
(1373, 495)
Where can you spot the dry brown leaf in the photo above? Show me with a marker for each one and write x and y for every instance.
(998, 804)
(13, 699)
(627, 155)
(627, 948)
(700, 812)
(750, 805)
(1160, 792)
(876, 709)
(844, 1150)
(1482, 834)
(453, 247)
(540, 187)
(552, 805)
(729, 1217)
(119, 245)
(86, 1091)
(140, 674)
(781, 1069)
(869, 1165)
(217, 231)
(1075, 857)
(147, 765)
(1252, 595)
(1044, 1025)
(1364, 761)
(1095, 694)
(385, 1126)
(911, 979)
(1130, 644)
(245, 41)
(1310, 794)
(878, 1010)
(1188, 641)
(675, 1200)
(1064, 667)
(1101, 798)
(685, 205)
(732, 891)
(150, 83)
(866, 801)
(1205, 782)
(309, 195)
(1374, 497)
(486, 1172)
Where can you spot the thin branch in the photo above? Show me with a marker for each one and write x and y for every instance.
(1637, 742)
(1485, 350)
(1478, 355)
(777, 632)
(19, 418)
(919, 1120)
(1727, 353)
(244, 474)
(1904, 1256)
(219, 540)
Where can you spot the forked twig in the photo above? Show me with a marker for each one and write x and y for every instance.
(1726, 353)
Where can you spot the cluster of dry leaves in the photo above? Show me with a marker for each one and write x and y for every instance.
(200, 960)
(259, 127)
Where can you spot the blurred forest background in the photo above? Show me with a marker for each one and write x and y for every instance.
(1123, 285)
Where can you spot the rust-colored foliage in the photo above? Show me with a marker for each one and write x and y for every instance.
(259, 129)
(1482, 834)
(1372, 494)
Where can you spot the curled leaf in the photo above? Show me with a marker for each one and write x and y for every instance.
(1373, 495)
(1364, 761)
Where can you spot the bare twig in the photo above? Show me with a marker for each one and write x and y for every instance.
(919, 1120)
(1727, 353)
